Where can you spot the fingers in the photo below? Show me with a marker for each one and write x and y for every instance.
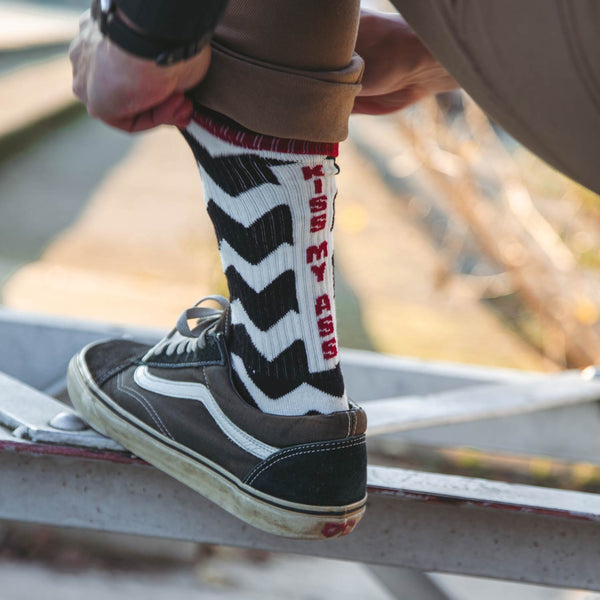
(128, 92)
(176, 110)
(386, 103)
(80, 54)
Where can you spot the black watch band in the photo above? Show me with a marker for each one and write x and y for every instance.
(162, 52)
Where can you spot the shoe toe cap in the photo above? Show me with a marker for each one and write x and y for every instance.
(105, 359)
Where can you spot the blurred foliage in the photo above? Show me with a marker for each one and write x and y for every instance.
(524, 237)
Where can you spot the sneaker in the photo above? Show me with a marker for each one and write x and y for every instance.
(175, 406)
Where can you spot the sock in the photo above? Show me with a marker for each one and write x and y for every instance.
(271, 202)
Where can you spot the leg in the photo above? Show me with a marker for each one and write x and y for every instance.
(532, 66)
(249, 407)
(286, 69)
(271, 200)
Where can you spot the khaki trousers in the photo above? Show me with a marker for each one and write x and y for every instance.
(287, 69)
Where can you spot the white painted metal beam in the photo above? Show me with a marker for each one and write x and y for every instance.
(420, 521)
(408, 583)
(34, 416)
(426, 522)
(463, 405)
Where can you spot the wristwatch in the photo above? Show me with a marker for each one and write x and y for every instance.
(162, 52)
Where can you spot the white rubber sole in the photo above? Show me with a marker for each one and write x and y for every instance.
(265, 512)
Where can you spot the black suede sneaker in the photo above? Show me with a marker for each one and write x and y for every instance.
(175, 406)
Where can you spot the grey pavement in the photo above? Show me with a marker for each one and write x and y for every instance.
(290, 577)
(285, 576)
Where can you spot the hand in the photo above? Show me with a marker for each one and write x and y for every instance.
(399, 70)
(127, 92)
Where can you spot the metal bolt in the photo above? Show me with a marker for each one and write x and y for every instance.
(68, 421)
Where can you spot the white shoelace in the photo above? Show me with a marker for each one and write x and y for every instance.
(182, 339)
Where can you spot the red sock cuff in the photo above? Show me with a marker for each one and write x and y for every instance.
(230, 131)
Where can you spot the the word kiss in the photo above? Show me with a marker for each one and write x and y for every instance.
(317, 258)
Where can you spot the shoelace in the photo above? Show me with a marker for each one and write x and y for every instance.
(182, 339)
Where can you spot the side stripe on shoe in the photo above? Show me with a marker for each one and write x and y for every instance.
(200, 393)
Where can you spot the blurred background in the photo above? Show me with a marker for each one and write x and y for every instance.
(453, 243)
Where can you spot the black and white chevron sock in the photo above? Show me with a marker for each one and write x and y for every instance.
(271, 202)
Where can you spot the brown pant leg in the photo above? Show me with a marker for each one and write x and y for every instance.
(532, 65)
(286, 68)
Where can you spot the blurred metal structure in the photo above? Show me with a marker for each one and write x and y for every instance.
(53, 471)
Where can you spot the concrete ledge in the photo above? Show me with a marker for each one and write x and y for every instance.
(33, 98)
(24, 26)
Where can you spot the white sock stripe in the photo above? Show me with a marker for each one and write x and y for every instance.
(303, 399)
(259, 276)
(275, 340)
(200, 393)
(249, 207)
(245, 208)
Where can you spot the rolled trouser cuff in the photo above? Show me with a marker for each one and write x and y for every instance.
(279, 101)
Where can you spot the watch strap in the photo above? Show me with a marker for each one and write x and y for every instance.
(163, 52)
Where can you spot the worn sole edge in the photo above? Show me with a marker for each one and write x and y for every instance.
(265, 512)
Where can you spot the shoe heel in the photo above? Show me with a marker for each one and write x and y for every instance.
(331, 474)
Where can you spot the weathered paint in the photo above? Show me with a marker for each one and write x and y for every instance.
(7, 445)
(418, 520)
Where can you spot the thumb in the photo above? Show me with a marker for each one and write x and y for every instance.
(175, 110)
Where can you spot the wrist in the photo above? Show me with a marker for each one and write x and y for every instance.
(121, 30)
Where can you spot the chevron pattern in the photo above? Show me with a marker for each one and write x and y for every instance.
(236, 173)
(260, 275)
(286, 371)
(272, 342)
(256, 242)
(301, 400)
(267, 307)
(263, 224)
